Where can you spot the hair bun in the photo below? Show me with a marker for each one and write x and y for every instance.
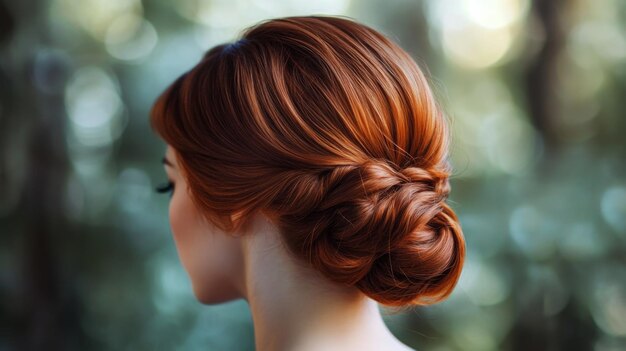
(385, 230)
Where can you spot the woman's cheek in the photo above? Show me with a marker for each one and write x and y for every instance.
(211, 258)
(182, 223)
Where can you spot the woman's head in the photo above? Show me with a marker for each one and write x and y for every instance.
(331, 130)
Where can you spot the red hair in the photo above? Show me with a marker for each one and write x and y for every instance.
(330, 129)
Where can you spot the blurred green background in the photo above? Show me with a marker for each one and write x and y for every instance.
(534, 89)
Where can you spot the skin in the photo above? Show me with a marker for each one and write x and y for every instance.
(293, 307)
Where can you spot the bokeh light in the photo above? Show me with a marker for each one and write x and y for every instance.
(94, 107)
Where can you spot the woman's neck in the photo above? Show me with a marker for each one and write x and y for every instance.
(295, 308)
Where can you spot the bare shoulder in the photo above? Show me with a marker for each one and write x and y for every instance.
(362, 345)
(398, 346)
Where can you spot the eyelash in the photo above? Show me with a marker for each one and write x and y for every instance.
(165, 188)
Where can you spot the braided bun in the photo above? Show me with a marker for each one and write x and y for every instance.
(385, 230)
(331, 128)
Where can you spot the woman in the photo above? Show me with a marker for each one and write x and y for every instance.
(310, 165)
